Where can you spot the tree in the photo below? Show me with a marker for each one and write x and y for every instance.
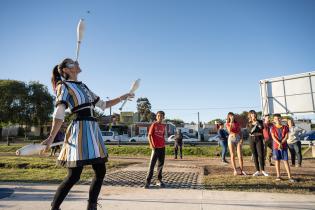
(216, 120)
(144, 109)
(12, 103)
(176, 122)
(242, 118)
(24, 104)
(153, 116)
(40, 103)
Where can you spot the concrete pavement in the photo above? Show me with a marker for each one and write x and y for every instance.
(38, 197)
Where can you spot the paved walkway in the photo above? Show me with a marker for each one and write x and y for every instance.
(38, 197)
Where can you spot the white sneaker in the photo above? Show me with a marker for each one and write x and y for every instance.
(264, 173)
(256, 173)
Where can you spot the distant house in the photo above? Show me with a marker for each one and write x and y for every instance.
(126, 118)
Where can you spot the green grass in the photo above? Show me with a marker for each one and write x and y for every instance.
(12, 148)
(198, 151)
(39, 169)
(144, 150)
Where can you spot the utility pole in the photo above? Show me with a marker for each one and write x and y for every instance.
(110, 108)
(198, 127)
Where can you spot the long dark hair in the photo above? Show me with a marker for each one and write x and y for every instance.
(58, 74)
(254, 113)
(228, 117)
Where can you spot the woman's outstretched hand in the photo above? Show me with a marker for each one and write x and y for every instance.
(47, 142)
(128, 96)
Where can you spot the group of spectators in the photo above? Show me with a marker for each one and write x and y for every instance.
(268, 140)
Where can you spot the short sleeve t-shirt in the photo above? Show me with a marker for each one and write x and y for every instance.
(279, 133)
(157, 131)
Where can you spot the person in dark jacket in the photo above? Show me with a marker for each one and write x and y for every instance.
(178, 144)
(223, 136)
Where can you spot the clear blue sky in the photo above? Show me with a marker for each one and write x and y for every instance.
(191, 55)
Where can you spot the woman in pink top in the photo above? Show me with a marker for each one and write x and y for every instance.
(235, 142)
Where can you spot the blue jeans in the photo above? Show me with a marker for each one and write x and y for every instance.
(295, 150)
(223, 145)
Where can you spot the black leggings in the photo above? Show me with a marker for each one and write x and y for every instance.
(73, 177)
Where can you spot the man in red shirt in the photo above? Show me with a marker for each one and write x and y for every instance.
(156, 139)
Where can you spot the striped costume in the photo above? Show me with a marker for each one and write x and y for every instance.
(83, 143)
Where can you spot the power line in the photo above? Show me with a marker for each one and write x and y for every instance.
(211, 108)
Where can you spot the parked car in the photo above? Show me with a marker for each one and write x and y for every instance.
(215, 138)
(112, 136)
(308, 137)
(185, 138)
(139, 138)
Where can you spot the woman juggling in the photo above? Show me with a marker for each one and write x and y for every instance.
(83, 143)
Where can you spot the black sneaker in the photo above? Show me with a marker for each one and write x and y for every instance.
(160, 184)
(225, 162)
(146, 186)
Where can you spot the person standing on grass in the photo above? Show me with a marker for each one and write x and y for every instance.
(235, 142)
(255, 129)
(178, 144)
(294, 142)
(223, 136)
(267, 139)
(280, 135)
(156, 139)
